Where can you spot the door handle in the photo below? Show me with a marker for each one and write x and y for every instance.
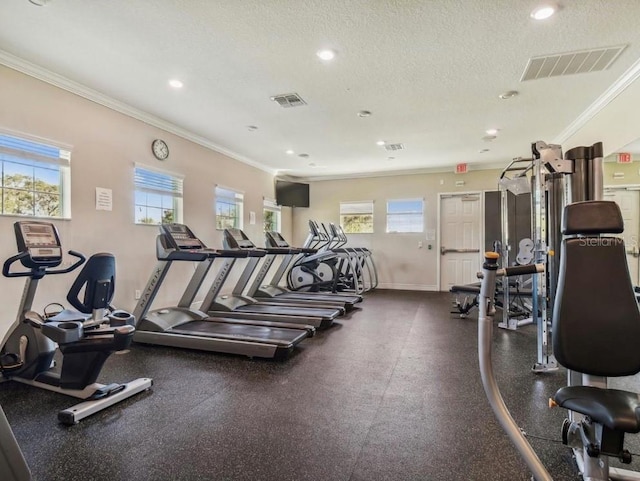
(444, 251)
(634, 252)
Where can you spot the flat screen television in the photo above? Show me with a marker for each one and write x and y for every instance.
(292, 194)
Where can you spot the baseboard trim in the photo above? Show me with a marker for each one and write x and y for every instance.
(408, 287)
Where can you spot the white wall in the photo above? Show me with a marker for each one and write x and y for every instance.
(401, 264)
(105, 146)
(107, 143)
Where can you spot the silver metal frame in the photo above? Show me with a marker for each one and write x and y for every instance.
(13, 466)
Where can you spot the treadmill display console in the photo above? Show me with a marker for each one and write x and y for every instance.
(240, 241)
(182, 237)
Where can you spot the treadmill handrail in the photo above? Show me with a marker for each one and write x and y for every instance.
(186, 255)
(225, 252)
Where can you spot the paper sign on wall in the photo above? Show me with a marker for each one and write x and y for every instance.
(252, 218)
(104, 199)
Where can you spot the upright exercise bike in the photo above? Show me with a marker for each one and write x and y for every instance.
(84, 337)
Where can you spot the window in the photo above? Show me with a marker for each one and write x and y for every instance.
(158, 196)
(228, 208)
(405, 215)
(357, 217)
(271, 215)
(35, 178)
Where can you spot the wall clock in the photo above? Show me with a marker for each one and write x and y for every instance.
(160, 149)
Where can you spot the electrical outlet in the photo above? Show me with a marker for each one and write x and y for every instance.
(419, 244)
(138, 294)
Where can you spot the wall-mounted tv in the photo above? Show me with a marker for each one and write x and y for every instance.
(292, 194)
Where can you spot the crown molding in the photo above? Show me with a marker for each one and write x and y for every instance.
(395, 173)
(52, 78)
(600, 103)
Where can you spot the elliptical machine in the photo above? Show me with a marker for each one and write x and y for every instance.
(315, 268)
(84, 337)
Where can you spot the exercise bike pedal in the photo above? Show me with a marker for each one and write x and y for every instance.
(107, 390)
(10, 362)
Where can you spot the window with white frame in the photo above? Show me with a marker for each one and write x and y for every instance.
(229, 208)
(357, 217)
(405, 215)
(272, 216)
(35, 178)
(158, 196)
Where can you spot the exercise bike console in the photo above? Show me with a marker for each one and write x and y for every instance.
(39, 250)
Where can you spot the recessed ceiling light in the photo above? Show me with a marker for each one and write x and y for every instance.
(290, 152)
(364, 113)
(489, 138)
(252, 128)
(304, 156)
(483, 151)
(326, 54)
(390, 158)
(380, 142)
(491, 131)
(543, 11)
(39, 3)
(508, 95)
(176, 84)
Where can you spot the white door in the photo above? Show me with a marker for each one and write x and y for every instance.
(459, 239)
(629, 202)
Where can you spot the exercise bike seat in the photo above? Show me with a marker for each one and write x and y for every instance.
(615, 409)
(68, 315)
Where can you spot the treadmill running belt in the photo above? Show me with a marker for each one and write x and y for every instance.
(240, 332)
(290, 311)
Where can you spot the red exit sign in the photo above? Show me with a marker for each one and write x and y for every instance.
(461, 169)
(624, 158)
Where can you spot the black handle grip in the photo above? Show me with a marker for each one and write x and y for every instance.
(228, 252)
(7, 266)
(523, 270)
(77, 264)
(11, 260)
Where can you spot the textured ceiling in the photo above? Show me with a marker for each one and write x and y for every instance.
(430, 71)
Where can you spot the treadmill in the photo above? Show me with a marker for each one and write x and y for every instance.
(182, 326)
(273, 290)
(198, 277)
(240, 305)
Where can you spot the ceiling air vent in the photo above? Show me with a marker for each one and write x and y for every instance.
(289, 100)
(571, 63)
(394, 147)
